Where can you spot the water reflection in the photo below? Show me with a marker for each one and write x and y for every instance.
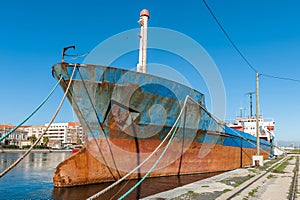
(148, 187)
(32, 179)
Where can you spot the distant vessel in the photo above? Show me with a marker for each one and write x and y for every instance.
(248, 125)
(76, 148)
(127, 114)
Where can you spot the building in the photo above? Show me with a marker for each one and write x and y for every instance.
(62, 135)
(14, 138)
(36, 131)
(58, 135)
(75, 134)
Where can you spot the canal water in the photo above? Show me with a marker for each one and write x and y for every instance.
(32, 179)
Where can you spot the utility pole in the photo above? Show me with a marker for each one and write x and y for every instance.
(257, 159)
(250, 94)
(257, 114)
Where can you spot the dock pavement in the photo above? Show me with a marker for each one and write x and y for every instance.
(273, 185)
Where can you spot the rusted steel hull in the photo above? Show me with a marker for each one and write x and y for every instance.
(126, 115)
(83, 168)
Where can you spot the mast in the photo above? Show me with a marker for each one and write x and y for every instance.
(241, 112)
(250, 94)
(144, 16)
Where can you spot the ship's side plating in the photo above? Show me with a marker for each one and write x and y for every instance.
(127, 114)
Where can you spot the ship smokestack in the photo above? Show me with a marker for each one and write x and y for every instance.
(144, 16)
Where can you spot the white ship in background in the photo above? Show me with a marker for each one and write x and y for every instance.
(248, 124)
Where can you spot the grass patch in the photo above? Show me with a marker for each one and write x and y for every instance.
(271, 162)
(295, 170)
(205, 186)
(297, 151)
(236, 181)
(193, 195)
(226, 190)
(271, 176)
(254, 171)
(281, 167)
(291, 158)
(251, 194)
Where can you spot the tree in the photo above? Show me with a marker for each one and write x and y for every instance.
(45, 141)
(32, 139)
(79, 141)
(14, 141)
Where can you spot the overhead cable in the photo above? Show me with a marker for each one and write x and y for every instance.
(281, 78)
(228, 37)
(239, 52)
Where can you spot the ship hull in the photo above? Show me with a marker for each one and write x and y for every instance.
(83, 168)
(126, 115)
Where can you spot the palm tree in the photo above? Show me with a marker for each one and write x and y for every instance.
(45, 141)
(32, 139)
(79, 141)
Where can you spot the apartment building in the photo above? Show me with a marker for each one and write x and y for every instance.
(75, 134)
(61, 135)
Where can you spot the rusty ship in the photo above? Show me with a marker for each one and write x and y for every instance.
(127, 114)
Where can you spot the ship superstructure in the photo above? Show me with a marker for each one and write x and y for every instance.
(248, 125)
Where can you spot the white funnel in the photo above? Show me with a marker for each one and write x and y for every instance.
(144, 16)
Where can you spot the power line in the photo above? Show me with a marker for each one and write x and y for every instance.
(227, 36)
(239, 52)
(281, 78)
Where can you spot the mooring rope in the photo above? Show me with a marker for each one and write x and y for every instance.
(29, 116)
(142, 163)
(40, 137)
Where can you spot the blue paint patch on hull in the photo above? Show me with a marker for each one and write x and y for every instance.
(106, 97)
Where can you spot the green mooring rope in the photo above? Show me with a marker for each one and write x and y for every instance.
(13, 130)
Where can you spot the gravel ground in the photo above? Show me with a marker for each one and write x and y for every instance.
(208, 189)
(272, 186)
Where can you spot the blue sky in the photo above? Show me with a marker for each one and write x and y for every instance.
(267, 33)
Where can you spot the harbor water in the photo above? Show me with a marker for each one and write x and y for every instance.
(32, 179)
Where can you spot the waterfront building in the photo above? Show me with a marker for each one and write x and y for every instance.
(75, 134)
(15, 138)
(58, 135)
(33, 131)
(62, 135)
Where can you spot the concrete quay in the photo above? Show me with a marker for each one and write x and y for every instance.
(275, 184)
(35, 150)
